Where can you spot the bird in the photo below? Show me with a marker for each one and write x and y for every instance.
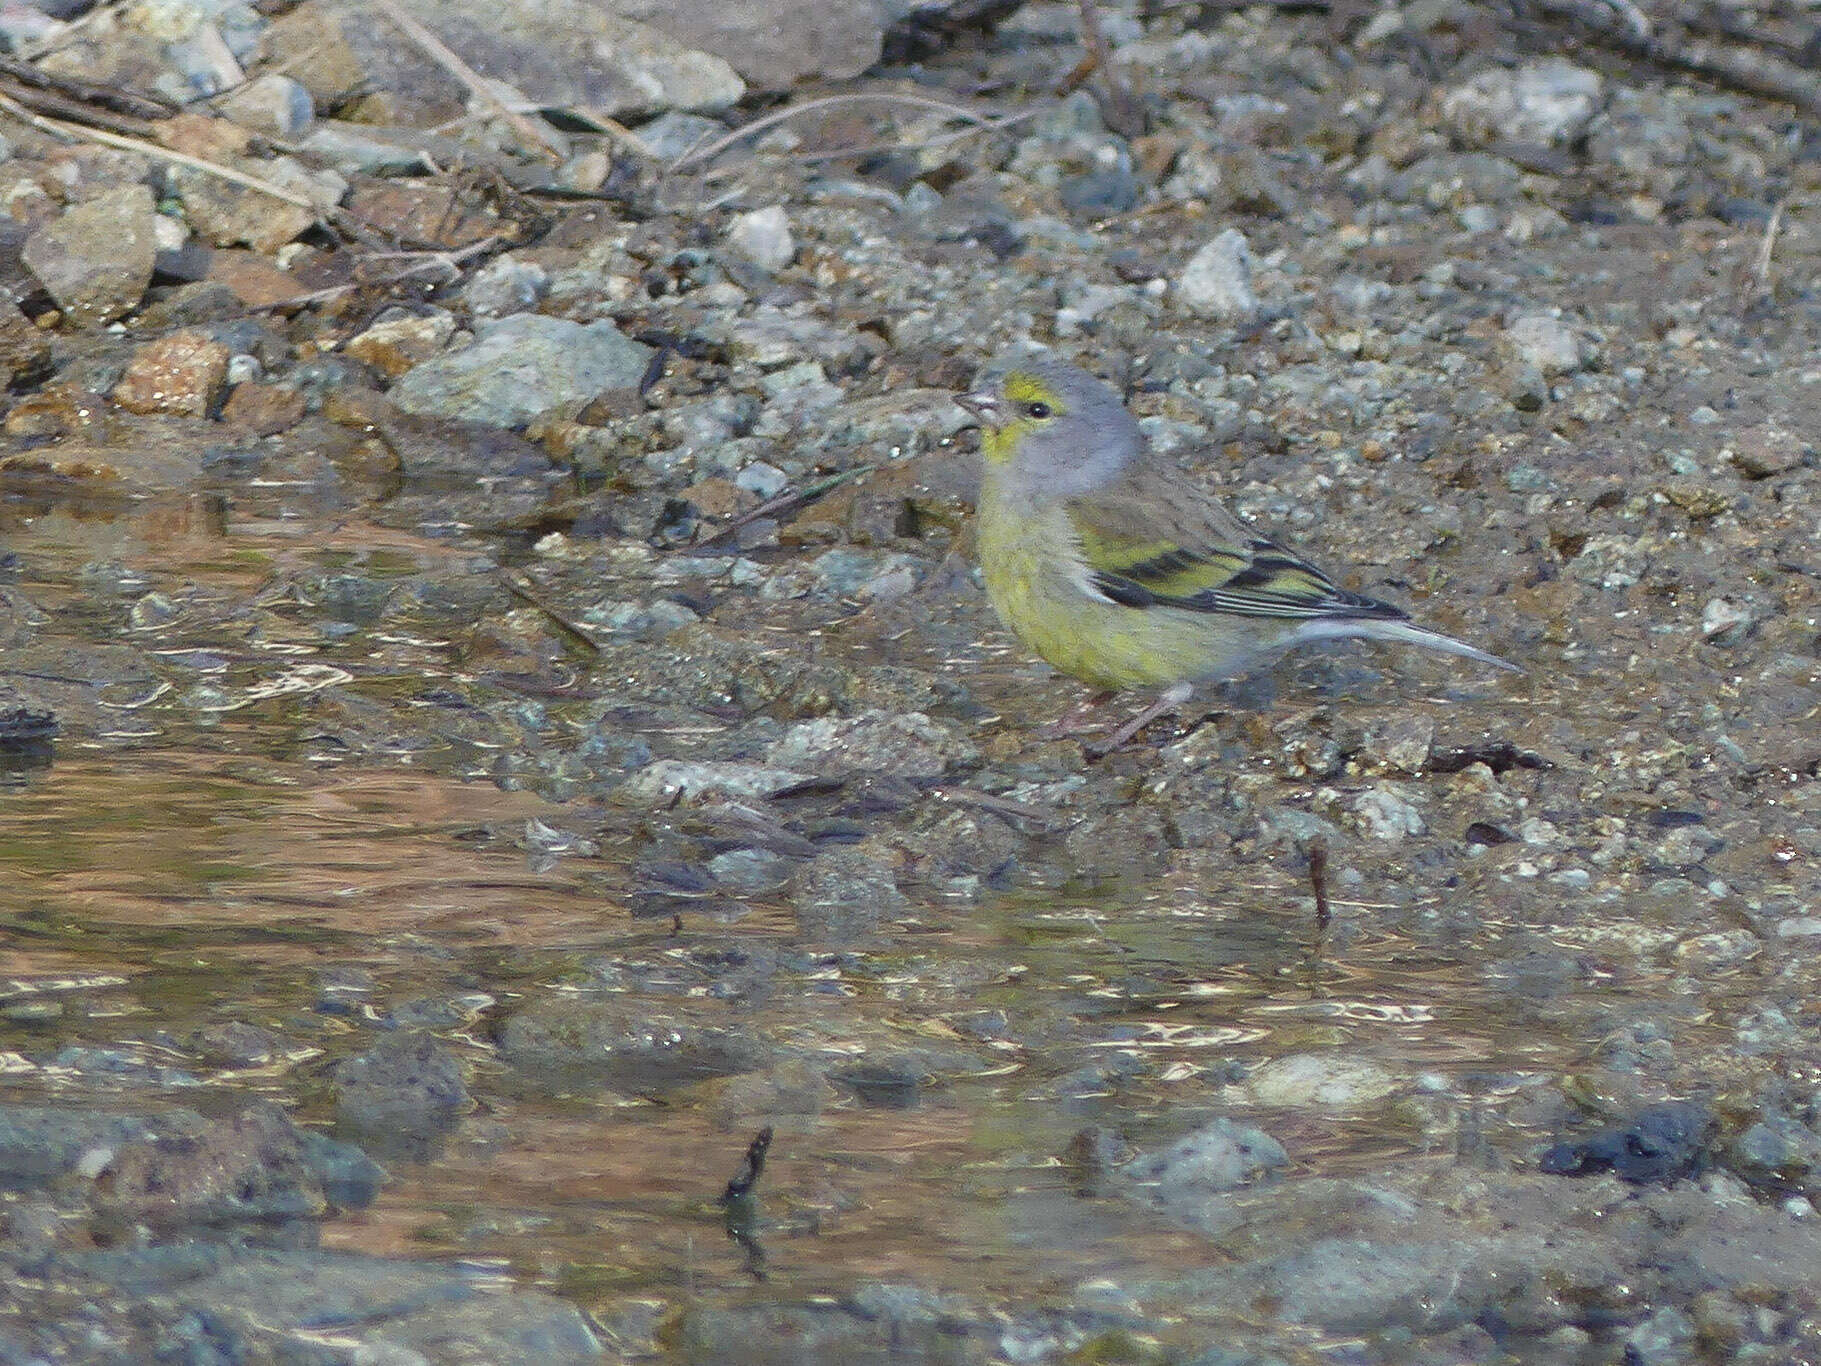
(1108, 563)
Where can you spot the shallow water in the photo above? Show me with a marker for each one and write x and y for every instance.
(158, 891)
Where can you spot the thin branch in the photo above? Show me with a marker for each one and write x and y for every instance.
(59, 128)
(556, 618)
(1761, 267)
(439, 52)
(127, 102)
(706, 151)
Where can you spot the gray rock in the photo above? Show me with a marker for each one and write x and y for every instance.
(670, 780)
(1724, 622)
(505, 285)
(845, 894)
(906, 745)
(1549, 102)
(669, 136)
(96, 260)
(357, 149)
(774, 44)
(764, 238)
(272, 106)
(1666, 1338)
(1383, 812)
(41, 1142)
(258, 1305)
(1367, 1285)
(626, 1042)
(409, 1083)
(1320, 1079)
(1215, 1158)
(254, 1165)
(557, 53)
(1777, 1150)
(750, 872)
(1545, 344)
(524, 367)
(1400, 745)
(1217, 282)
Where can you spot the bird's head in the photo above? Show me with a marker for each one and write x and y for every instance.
(1052, 429)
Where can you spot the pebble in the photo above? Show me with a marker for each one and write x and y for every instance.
(1302, 1080)
(764, 238)
(1550, 102)
(1545, 344)
(1217, 282)
(1724, 622)
(182, 374)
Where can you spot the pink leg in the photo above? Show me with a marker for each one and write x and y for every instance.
(1168, 700)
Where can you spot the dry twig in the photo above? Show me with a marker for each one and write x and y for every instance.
(59, 128)
(439, 52)
(706, 152)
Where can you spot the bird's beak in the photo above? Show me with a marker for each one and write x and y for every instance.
(989, 408)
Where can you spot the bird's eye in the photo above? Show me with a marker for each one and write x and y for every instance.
(1038, 410)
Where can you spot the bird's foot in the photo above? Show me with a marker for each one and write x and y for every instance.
(1167, 701)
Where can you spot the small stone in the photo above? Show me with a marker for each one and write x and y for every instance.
(1724, 622)
(272, 106)
(263, 409)
(96, 260)
(1777, 1150)
(1666, 1338)
(764, 238)
(400, 339)
(25, 351)
(907, 745)
(845, 894)
(670, 780)
(1550, 102)
(1306, 1079)
(1385, 813)
(229, 214)
(407, 1083)
(1216, 1158)
(1544, 343)
(506, 285)
(1401, 745)
(1217, 282)
(181, 374)
(1768, 449)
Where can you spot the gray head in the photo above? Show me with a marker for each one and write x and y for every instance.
(1051, 429)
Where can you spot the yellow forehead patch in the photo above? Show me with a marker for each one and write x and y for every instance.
(1022, 387)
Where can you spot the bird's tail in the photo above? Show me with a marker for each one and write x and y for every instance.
(1399, 632)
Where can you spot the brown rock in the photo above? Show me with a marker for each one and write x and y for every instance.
(56, 410)
(396, 343)
(431, 215)
(198, 135)
(229, 214)
(717, 497)
(181, 374)
(263, 409)
(25, 352)
(256, 282)
(96, 260)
